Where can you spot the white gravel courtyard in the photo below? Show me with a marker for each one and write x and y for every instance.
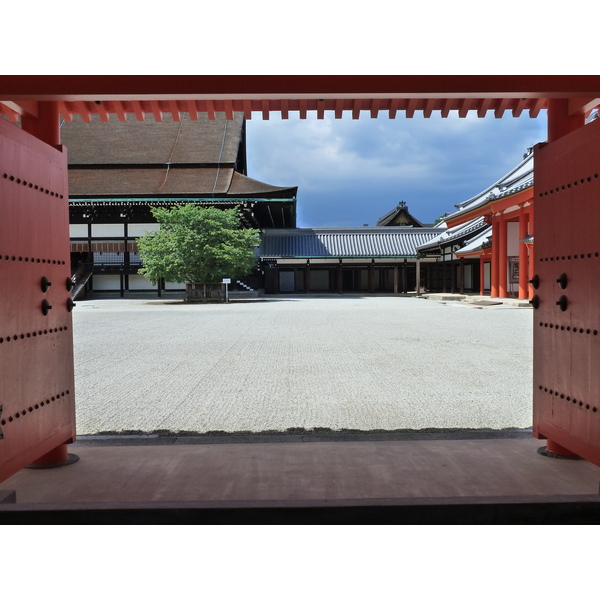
(345, 363)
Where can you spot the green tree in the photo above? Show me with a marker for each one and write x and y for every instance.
(197, 245)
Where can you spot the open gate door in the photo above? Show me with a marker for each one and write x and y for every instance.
(566, 372)
(36, 339)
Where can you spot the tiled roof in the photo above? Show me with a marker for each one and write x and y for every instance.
(401, 213)
(454, 235)
(478, 242)
(359, 242)
(518, 179)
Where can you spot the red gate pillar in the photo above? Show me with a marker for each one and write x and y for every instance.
(495, 258)
(36, 341)
(566, 342)
(46, 126)
(502, 259)
(560, 123)
(523, 266)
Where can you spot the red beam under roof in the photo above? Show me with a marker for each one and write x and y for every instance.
(141, 94)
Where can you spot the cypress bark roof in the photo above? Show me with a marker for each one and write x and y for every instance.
(133, 142)
(200, 158)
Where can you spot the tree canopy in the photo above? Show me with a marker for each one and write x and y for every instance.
(197, 245)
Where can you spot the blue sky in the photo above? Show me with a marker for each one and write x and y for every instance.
(351, 172)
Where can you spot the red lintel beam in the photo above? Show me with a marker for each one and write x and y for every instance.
(375, 107)
(582, 105)
(65, 112)
(484, 106)
(265, 110)
(192, 109)
(501, 106)
(429, 106)
(164, 87)
(446, 107)
(303, 108)
(102, 111)
(411, 107)
(229, 110)
(156, 111)
(465, 107)
(26, 107)
(175, 111)
(210, 109)
(536, 106)
(84, 111)
(320, 109)
(247, 109)
(138, 110)
(119, 109)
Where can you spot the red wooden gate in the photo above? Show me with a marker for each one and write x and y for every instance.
(36, 340)
(566, 361)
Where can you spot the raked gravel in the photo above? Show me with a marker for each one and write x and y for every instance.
(347, 362)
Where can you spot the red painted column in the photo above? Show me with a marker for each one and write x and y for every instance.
(531, 253)
(502, 259)
(494, 292)
(560, 123)
(46, 126)
(523, 267)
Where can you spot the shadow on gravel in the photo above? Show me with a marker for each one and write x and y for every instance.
(293, 434)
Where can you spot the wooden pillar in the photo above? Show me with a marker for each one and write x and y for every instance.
(503, 260)
(340, 277)
(494, 292)
(276, 279)
(444, 288)
(418, 283)
(452, 272)
(372, 277)
(396, 279)
(462, 275)
(405, 277)
(481, 276)
(523, 267)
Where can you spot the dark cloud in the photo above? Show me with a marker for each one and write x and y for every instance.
(351, 172)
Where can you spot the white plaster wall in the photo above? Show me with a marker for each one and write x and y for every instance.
(106, 282)
(487, 278)
(468, 277)
(172, 285)
(512, 241)
(139, 282)
(139, 229)
(103, 230)
(79, 230)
